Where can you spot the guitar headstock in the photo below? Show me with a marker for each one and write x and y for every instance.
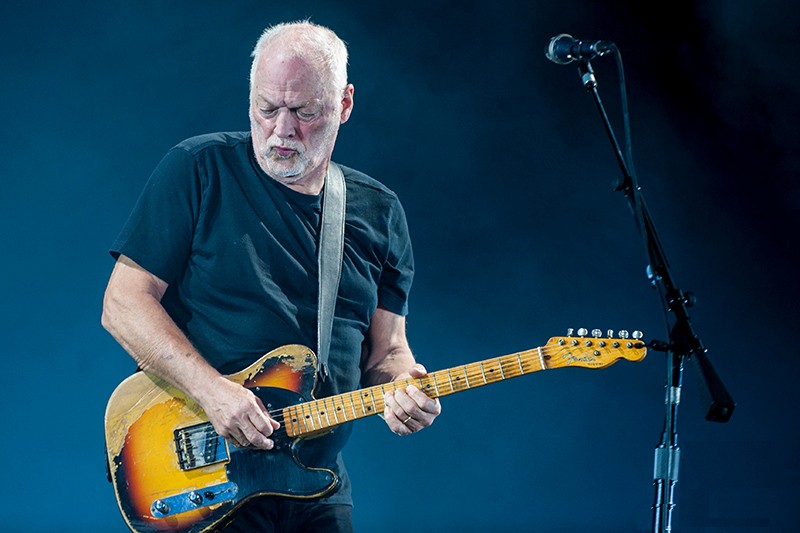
(593, 351)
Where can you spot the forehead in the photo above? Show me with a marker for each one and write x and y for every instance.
(278, 76)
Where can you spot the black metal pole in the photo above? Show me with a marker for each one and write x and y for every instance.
(683, 344)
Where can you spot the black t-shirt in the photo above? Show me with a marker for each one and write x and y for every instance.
(239, 252)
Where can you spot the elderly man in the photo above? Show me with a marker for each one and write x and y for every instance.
(218, 264)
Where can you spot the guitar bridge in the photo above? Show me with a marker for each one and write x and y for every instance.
(199, 446)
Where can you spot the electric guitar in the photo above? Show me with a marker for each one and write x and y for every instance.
(172, 472)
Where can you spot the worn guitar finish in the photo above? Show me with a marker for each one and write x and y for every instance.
(172, 472)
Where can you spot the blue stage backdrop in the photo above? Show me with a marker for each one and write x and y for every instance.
(506, 174)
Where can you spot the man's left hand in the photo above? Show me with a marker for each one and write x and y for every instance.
(409, 410)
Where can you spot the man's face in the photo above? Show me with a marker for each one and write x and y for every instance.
(295, 114)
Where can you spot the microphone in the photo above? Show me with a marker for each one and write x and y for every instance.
(564, 49)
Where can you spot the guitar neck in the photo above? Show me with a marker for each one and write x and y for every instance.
(319, 415)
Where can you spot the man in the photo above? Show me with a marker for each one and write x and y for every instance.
(217, 264)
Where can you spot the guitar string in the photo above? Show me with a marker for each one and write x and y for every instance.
(476, 370)
(472, 371)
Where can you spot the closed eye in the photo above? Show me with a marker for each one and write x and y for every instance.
(306, 115)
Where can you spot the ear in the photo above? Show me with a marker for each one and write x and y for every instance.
(347, 103)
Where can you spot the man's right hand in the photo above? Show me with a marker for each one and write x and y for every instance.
(239, 415)
(133, 314)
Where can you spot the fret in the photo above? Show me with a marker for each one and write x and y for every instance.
(519, 360)
(339, 408)
(330, 404)
(502, 373)
(435, 385)
(541, 358)
(355, 415)
(288, 415)
(363, 405)
(466, 376)
(307, 417)
(483, 374)
(298, 421)
(450, 379)
(372, 396)
(299, 417)
(314, 407)
(327, 412)
(492, 375)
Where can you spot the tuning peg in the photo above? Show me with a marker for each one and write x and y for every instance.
(569, 332)
(582, 332)
(637, 334)
(610, 333)
(596, 333)
(623, 334)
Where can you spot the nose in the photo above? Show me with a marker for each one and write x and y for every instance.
(285, 125)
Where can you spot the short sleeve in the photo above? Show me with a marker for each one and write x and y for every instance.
(398, 270)
(159, 231)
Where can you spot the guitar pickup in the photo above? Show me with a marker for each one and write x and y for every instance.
(199, 446)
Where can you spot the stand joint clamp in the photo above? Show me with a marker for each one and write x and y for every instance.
(666, 463)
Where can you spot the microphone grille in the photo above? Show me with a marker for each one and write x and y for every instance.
(550, 49)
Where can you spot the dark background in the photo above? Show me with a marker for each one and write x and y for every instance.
(505, 171)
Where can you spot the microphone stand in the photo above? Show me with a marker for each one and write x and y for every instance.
(683, 344)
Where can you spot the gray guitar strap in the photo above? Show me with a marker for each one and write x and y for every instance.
(331, 248)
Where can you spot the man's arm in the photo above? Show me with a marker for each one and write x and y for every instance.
(389, 358)
(133, 314)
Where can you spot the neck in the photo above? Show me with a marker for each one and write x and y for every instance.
(311, 184)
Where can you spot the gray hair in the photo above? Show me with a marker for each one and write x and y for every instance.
(316, 44)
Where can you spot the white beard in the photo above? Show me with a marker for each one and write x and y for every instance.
(295, 167)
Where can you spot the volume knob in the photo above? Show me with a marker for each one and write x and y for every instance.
(161, 506)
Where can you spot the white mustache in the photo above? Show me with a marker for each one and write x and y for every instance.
(293, 145)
